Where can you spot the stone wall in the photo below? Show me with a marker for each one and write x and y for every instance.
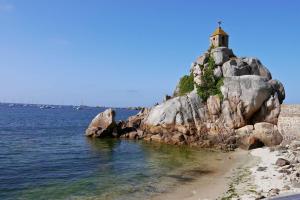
(219, 41)
(289, 122)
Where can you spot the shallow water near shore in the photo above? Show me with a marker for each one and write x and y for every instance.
(45, 155)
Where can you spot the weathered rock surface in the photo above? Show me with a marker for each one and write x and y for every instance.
(136, 120)
(235, 67)
(257, 68)
(245, 131)
(156, 138)
(218, 72)
(282, 162)
(269, 111)
(201, 60)
(214, 105)
(245, 66)
(279, 89)
(261, 134)
(251, 90)
(221, 55)
(179, 114)
(102, 125)
(267, 133)
(197, 72)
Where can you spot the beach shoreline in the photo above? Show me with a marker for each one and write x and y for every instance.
(270, 177)
(210, 186)
(246, 175)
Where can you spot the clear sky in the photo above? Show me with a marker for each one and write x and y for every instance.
(132, 52)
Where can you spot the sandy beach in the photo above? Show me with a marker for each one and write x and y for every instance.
(268, 178)
(246, 175)
(211, 186)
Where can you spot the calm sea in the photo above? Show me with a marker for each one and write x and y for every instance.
(45, 155)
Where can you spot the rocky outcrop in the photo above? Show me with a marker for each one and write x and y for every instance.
(256, 67)
(181, 113)
(267, 133)
(214, 105)
(221, 55)
(261, 134)
(244, 112)
(136, 120)
(269, 111)
(245, 66)
(103, 125)
(251, 90)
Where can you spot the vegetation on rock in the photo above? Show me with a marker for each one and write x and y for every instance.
(186, 84)
(210, 84)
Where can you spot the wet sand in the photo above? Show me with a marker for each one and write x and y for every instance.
(212, 185)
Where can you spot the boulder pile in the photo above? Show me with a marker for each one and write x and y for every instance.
(241, 110)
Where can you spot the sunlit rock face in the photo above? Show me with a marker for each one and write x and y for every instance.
(250, 97)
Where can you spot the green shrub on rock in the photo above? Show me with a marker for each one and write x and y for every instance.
(210, 84)
(186, 84)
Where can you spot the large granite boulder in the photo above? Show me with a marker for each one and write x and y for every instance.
(221, 55)
(257, 68)
(251, 90)
(267, 133)
(245, 66)
(235, 67)
(102, 125)
(261, 134)
(269, 111)
(179, 113)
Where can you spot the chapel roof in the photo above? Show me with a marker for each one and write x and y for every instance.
(219, 31)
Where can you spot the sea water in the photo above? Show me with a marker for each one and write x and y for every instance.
(45, 155)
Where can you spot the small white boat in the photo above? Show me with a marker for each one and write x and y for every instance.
(46, 107)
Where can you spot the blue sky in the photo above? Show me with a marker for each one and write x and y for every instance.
(132, 52)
